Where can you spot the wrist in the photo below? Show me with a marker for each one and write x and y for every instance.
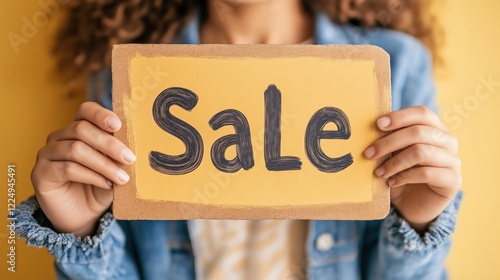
(415, 220)
(89, 229)
(402, 235)
(420, 228)
(67, 224)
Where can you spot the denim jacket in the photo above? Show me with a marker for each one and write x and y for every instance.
(381, 249)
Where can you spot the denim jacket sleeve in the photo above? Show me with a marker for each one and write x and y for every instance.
(394, 250)
(102, 256)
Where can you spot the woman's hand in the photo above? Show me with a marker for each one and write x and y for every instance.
(424, 170)
(76, 170)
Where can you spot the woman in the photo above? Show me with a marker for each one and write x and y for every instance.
(76, 170)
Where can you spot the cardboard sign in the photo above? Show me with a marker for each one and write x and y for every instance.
(250, 131)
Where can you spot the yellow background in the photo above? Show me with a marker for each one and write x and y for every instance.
(233, 83)
(34, 104)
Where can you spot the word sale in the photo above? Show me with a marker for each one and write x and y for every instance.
(193, 155)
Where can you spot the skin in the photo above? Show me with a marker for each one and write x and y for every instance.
(278, 22)
(77, 168)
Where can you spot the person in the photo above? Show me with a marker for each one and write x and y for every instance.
(77, 169)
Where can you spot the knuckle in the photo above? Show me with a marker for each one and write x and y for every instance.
(423, 111)
(417, 132)
(439, 136)
(82, 107)
(420, 153)
(76, 150)
(68, 168)
(97, 115)
(85, 106)
(50, 137)
(40, 154)
(425, 173)
(80, 128)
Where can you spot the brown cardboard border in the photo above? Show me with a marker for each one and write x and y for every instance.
(127, 206)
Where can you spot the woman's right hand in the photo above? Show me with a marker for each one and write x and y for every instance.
(75, 171)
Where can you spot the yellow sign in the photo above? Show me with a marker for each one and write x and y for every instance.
(250, 131)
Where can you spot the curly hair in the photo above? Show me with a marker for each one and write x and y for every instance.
(83, 44)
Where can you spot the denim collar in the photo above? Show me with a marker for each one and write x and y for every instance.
(326, 32)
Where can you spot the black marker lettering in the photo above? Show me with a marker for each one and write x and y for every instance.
(272, 134)
(191, 159)
(315, 132)
(242, 140)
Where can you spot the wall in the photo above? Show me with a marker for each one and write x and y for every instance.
(473, 54)
(35, 103)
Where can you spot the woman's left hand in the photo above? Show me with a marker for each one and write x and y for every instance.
(424, 170)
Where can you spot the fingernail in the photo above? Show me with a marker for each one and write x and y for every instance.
(113, 123)
(383, 122)
(123, 176)
(390, 182)
(380, 171)
(128, 156)
(370, 152)
(109, 183)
